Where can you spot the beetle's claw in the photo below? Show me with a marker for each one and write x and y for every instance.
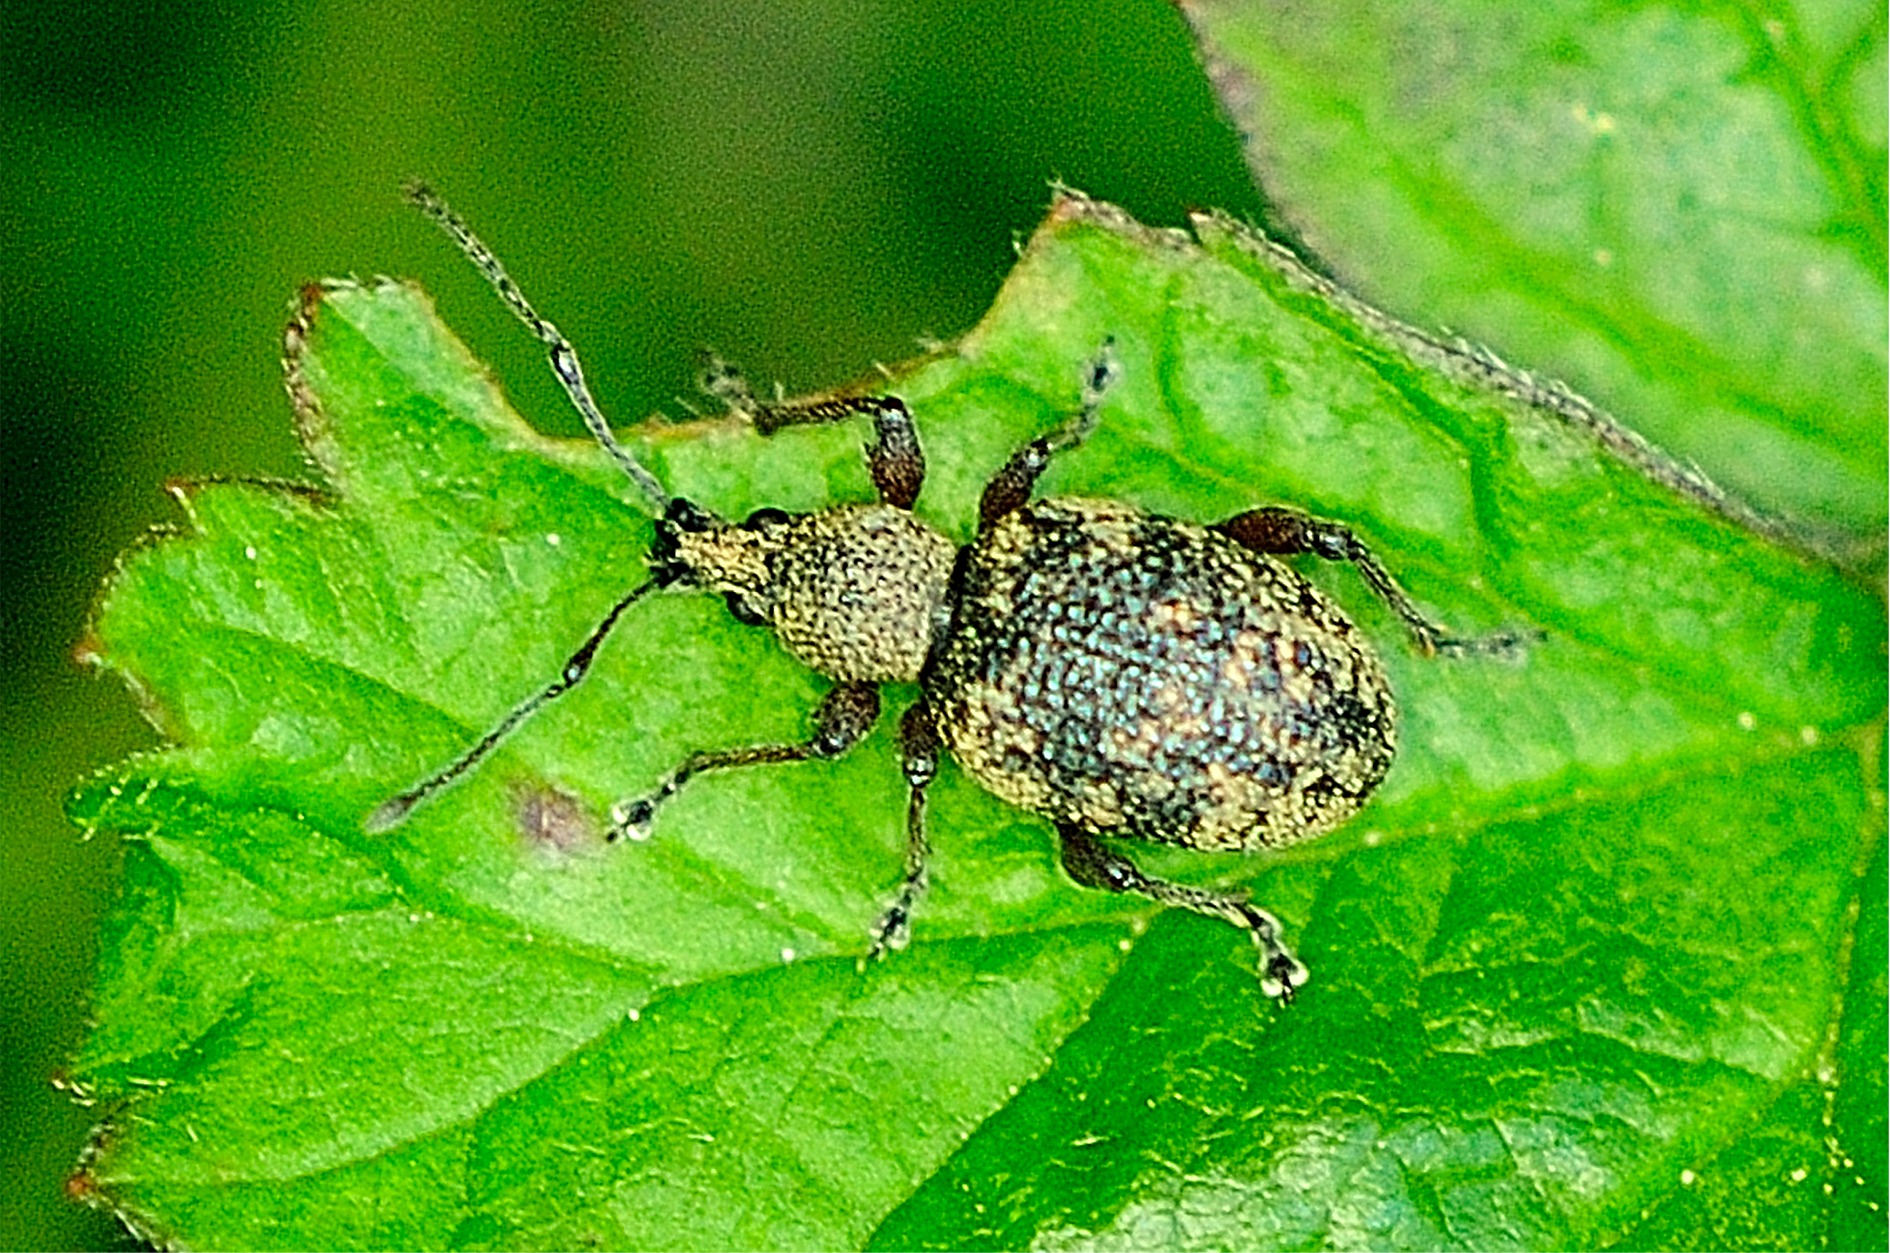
(632, 820)
(1282, 976)
(892, 931)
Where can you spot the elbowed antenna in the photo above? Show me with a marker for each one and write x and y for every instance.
(564, 358)
(392, 812)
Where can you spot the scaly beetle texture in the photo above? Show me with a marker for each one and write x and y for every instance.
(1124, 675)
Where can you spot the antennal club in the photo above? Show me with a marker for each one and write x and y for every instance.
(564, 358)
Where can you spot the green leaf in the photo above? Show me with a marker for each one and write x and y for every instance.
(1678, 209)
(1603, 920)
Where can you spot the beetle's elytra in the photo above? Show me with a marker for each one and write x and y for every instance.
(1137, 676)
(1120, 673)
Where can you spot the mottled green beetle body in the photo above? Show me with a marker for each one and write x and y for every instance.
(1134, 675)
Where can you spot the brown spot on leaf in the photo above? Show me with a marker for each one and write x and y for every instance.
(550, 819)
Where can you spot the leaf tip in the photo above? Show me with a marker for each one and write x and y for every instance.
(89, 651)
(182, 490)
(304, 400)
(81, 1188)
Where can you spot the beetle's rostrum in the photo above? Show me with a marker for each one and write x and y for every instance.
(1124, 675)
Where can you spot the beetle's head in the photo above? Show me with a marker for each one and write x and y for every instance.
(855, 591)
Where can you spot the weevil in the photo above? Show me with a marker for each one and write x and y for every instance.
(1123, 674)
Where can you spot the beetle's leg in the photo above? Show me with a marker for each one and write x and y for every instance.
(1285, 532)
(918, 745)
(842, 719)
(392, 812)
(1010, 488)
(1092, 865)
(894, 458)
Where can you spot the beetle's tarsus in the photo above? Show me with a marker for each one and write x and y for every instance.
(631, 820)
(892, 932)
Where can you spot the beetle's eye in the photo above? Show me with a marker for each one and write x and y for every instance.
(761, 518)
(687, 515)
(744, 612)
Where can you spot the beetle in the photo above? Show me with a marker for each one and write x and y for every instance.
(1123, 674)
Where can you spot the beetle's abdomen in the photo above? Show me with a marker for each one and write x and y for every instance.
(1139, 676)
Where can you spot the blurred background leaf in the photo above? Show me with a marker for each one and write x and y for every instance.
(1679, 212)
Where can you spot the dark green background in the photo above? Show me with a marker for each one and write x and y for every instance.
(808, 187)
